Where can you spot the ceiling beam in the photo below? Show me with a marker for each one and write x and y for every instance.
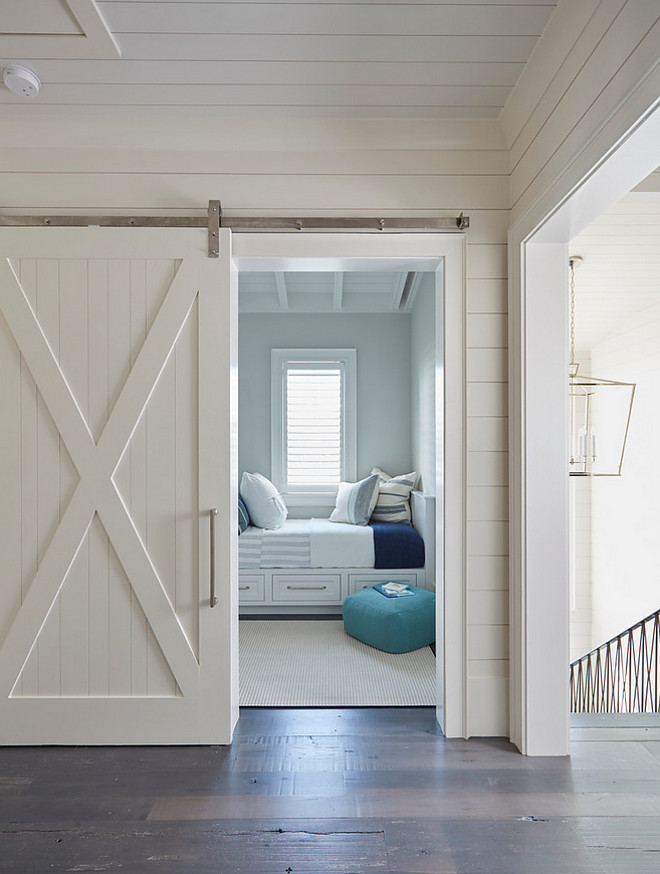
(398, 290)
(411, 291)
(282, 295)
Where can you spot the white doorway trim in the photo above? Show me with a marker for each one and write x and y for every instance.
(444, 253)
(538, 307)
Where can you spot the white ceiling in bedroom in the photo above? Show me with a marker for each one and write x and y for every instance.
(387, 58)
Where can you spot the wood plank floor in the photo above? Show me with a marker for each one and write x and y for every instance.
(360, 790)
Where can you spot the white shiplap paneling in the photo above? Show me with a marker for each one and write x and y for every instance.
(151, 132)
(487, 365)
(618, 277)
(384, 159)
(586, 64)
(320, 192)
(488, 572)
(624, 516)
(285, 72)
(282, 190)
(487, 433)
(435, 59)
(294, 18)
(581, 578)
(617, 297)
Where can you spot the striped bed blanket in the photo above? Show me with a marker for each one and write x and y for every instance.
(319, 543)
(287, 546)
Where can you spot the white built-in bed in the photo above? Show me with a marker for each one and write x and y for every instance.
(312, 564)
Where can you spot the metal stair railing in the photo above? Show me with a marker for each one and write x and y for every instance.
(621, 675)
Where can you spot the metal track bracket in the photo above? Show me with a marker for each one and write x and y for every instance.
(215, 216)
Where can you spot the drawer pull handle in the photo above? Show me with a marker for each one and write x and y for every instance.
(243, 588)
(306, 588)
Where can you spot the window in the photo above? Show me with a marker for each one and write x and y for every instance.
(313, 420)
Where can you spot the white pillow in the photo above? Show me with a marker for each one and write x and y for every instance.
(393, 504)
(356, 501)
(264, 503)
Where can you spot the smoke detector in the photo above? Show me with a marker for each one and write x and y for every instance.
(21, 81)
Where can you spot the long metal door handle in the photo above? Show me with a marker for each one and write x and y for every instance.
(306, 588)
(212, 514)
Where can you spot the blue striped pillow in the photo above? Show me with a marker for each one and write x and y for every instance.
(243, 516)
(393, 504)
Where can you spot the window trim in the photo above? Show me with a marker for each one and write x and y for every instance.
(280, 358)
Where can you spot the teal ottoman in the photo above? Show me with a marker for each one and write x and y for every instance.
(391, 624)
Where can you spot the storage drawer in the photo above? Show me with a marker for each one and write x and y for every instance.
(357, 582)
(251, 587)
(317, 588)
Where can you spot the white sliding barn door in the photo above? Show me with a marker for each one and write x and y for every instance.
(117, 437)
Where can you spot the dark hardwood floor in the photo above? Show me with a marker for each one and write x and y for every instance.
(336, 791)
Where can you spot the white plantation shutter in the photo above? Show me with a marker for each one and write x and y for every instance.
(314, 444)
(313, 406)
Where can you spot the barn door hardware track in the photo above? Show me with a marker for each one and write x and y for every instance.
(214, 220)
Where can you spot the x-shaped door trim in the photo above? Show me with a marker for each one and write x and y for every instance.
(96, 491)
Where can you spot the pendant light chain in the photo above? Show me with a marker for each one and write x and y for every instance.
(572, 265)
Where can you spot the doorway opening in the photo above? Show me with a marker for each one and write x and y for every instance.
(614, 520)
(539, 253)
(346, 293)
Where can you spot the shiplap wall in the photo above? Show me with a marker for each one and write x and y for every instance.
(591, 78)
(487, 490)
(580, 493)
(581, 566)
(618, 276)
(625, 510)
(588, 61)
(617, 292)
(421, 179)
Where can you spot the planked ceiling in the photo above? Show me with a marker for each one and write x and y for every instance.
(619, 277)
(373, 58)
(325, 292)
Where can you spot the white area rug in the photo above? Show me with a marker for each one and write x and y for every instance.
(299, 663)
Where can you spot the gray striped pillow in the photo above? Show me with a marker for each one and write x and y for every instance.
(393, 503)
(356, 501)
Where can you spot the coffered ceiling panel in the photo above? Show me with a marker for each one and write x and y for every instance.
(39, 17)
(71, 29)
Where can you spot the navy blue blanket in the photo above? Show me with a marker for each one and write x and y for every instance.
(397, 545)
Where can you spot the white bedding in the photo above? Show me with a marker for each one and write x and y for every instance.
(307, 543)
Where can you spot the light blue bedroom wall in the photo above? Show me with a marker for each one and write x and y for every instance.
(383, 349)
(423, 384)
